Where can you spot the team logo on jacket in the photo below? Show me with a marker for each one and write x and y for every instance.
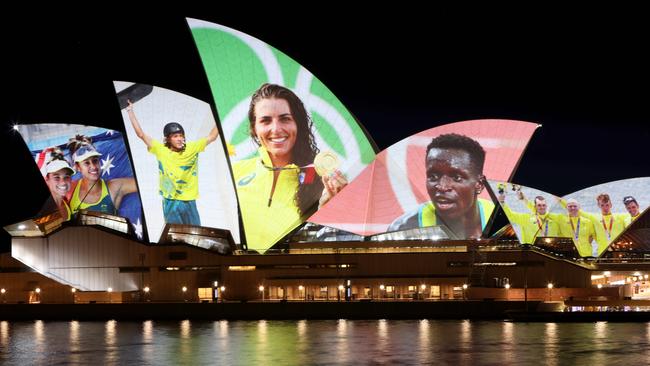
(245, 180)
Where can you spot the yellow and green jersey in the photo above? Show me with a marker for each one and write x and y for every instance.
(427, 213)
(532, 225)
(607, 227)
(267, 217)
(580, 229)
(629, 219)
(178, 170)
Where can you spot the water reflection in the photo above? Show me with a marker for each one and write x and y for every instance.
(73, 342)
(324, 342)
(342, 344)
(550, 343)
(424, 352)
(147, 340)
(508, 342)
(186, 341)
(112, 355)
(4, 333)
(465, 341)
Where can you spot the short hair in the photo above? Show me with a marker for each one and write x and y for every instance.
(603, 197)
(460, 142)
(539, 198)
(629, 199)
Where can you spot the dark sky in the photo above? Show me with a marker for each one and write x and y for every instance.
(398, 71)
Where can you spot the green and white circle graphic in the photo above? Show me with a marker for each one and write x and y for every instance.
(237, 64)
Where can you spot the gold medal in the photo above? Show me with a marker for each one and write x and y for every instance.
(326, 163)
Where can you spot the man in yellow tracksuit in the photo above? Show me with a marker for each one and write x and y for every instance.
(607, 225)
(577, 227)
(632, 207)
(532, 225)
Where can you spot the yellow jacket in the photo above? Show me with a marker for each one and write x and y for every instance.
(267, 219)
(607, 228)
(427, 213)
(532, 225)
(582, 226)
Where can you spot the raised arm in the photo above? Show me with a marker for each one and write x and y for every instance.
(214, 133)
(136, 126)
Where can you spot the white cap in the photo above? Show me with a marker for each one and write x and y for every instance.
(56, 165)
(84, 152)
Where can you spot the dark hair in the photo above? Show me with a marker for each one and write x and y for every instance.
(539, 198)
(460, 142)
(76, 142)
(304, 150)
(629, 199)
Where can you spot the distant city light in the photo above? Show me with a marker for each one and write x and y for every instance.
(146, 289)
(184, 289)
(550, 285)
(507, 286)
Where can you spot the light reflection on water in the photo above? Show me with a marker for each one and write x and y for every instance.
(323, 342)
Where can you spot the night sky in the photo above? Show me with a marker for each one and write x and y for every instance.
(399, 72)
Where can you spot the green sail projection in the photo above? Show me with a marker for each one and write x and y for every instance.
(236, 65)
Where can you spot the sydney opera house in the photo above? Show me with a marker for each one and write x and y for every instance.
(274, 191)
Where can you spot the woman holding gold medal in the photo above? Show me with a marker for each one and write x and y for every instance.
(277, 189)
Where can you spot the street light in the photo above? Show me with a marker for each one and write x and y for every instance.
(507, 287)
(550, 291)
(600, 285)
(465, 286)
(300, 289)
(3, 292)
(422, 288)
(338, 293)
(184, 289)
(146, 290)
(261, 288)
(381, 291)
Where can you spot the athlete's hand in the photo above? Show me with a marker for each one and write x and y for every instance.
(333, 183)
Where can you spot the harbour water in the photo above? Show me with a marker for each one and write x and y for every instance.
(322, 342)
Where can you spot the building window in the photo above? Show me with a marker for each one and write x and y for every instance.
(435, 291)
